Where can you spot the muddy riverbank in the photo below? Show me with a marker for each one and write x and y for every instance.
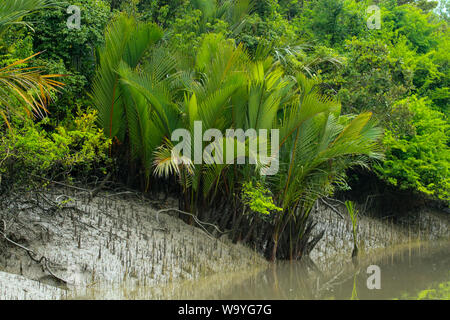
(66, 240)
(374, 233)
(66, 244)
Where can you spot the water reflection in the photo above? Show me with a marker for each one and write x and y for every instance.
(404, 272)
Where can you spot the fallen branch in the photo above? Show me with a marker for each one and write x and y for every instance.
(336, 200)
(42, 260)
(120, 193)
(200, 223)
(332, 208)
(96, 190)
(62, 184)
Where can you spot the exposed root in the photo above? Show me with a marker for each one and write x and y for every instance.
(43, 261)
(332, 208)
(200, 223)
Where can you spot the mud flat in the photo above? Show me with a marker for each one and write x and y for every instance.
(64, 240)
(16, 287)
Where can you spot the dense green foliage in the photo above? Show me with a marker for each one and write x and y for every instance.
(258, 199)
(417, 148)
(77, 150)
(311, 69)
(70, 51)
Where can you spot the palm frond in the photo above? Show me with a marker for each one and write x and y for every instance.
(26, 86)
(125, 41)
(16, 11)
(167, 162)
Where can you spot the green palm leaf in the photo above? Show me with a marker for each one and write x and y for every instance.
(16, 11)
(125, 41)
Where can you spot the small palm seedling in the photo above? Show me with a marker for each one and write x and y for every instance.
(353, 217)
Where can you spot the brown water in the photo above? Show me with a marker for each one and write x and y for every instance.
(404, 273)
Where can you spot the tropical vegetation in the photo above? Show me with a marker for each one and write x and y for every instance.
(105, 99)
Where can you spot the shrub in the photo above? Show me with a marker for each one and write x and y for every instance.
(258, 199)
(417, 150)
(74, 151)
